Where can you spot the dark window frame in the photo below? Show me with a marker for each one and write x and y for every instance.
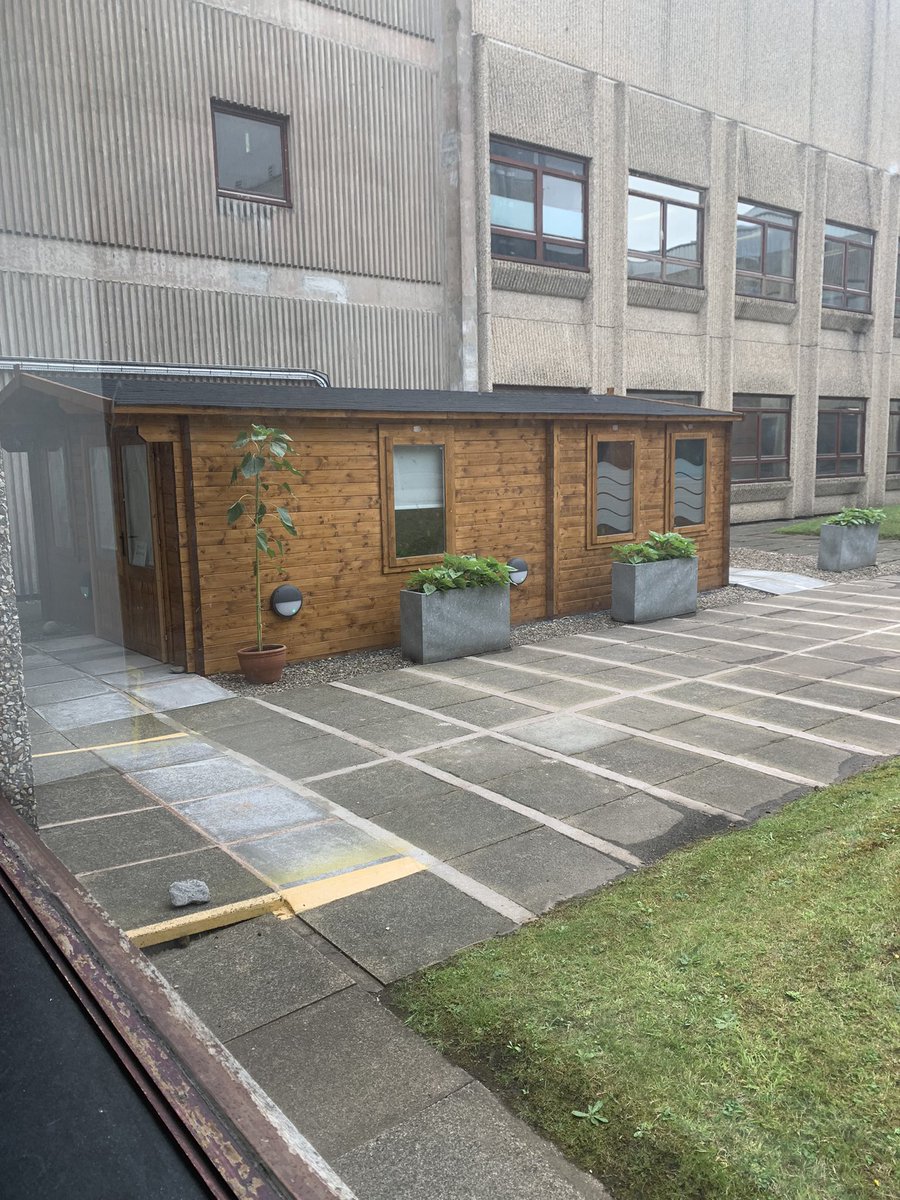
(539, 237)
(758, 459)
(845, 244)
(837, 455)
(765, 223)
(893, 457)
(663, 258)
(228, 108)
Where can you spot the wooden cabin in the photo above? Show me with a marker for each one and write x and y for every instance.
(131, 477)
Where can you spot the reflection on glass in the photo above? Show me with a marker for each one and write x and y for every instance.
(562, 214)
(419, 524)
(657, 187)
(249, 155)
(772, 435)
(682, 232)
(569, 256)
(833, 267)
(507, 246)
(136, 489)
(859, 262)
(779, 252)
(103, 519)
(644, 225)
(749, 247)
(512, 197)
(60, 513)
(690, 481)
(615, 488)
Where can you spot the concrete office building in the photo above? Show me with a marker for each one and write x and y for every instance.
(680, 198)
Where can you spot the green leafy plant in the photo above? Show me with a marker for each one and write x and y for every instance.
(857, 516)
(264, 450)
(657, 548)
(460, 571)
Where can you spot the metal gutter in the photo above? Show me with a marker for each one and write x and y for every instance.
(173, 370)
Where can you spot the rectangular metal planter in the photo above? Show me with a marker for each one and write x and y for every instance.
(453, 624)
(847, 547)
(652, 591)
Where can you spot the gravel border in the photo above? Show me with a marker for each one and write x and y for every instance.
(801, 564)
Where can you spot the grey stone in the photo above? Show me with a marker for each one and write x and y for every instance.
(188, 891)
(453, 823)
(314, 851)
(837, 694)
(99, 793)
(129, 729)
(491, 711)
(847, 547)
(736, 790)
(251, 811)
(860, 731)
(373, 790)
(408, 730)
(481, 759)
(651, 591)
(66, 689)
(640, 713)
(143, 756)
(329, 753)
(193, 780)
(567, 733)
(70, 714)
(64, 766)
(453, 624)
(558, 788)
(649, 827)
(104, 842)
(205, 718)
(825, 764)
(345, 1069)
(562, 693)
(781, 711)
(644, 760)
(715, 733)
(16, 778)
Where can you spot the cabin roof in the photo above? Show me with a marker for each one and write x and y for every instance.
(140, 393)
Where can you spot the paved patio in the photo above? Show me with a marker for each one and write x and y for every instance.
(398, 817)
(764, 535)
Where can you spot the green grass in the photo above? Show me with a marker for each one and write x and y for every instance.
(890, 527)
(731, 1010)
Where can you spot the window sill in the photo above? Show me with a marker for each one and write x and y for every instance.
(852, 322)
(644, 293)
(539, 280)
(758, 308)
(845, 485)
(892, 483)
(759, 491)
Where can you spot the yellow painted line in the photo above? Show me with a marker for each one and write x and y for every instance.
(163, 737)
(202, 920)
(305, 896)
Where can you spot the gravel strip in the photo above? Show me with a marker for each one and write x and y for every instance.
(802, 564)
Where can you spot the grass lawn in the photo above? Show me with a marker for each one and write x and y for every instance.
(720, 1025)
(890, 527)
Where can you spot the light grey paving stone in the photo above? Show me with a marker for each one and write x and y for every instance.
(729, 737)
(244, 976)
(558, 789)
(647, 761)
(129, 729)
(71, 714)
(373, 790)
(809, 667)
(329, 753)
(139, 895)
(42, 676)
(207, 718)
(407, 731)
(390, 682)
(315, 851)
(481, 759)
(270, 732)
(49, 743)
(780, 710)
(618, 679)
(633, 652)
(65, 766)
(824, 764)
(181, 692)
(194, 780)
(692, 666)
(885, 708)
(137, 676)
(563, 693)
(740, 652)
(67, 689)
(649, 827)
(764, 681)
(434, 694)
(641, 713)
(251, 811)
(736, 790)
(683, 644)
(875, 677)
(567, 733)
(112, 663)
(506, 680)
(860, 655)
(525, 656)
(838, 694)
(332, 705)
(143, 756)
(77, 641)
(110, 841)
(400, 927)
(344, 1069)
(37, 724)
(456, 668)
(540, 868)
(93, 794)
(860, 731)
(453, 823)
(490, 712)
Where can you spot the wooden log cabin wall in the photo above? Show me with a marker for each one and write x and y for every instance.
(519, 476)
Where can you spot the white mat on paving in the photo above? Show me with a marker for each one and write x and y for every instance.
(777, 583)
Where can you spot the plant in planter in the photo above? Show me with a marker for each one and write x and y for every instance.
(264, 451)
(850, 539)
(460, 607)
(654, 579)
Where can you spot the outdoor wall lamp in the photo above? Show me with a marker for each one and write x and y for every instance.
(286, 600)
(86, 586)
(519, 568)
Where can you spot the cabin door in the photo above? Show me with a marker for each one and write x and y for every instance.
(140, 567)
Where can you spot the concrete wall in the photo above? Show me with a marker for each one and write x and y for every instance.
(747, 100)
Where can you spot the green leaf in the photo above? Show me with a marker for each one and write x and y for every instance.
(234, 513)
(252, 465)
(241, 441)
(260, 513)
(286, 519)
(279, 449)
(234, 474)
(429, 589)
(262, 541)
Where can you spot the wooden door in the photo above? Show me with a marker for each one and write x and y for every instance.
(139, 557)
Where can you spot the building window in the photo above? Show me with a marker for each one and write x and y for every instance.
(839, 440)
(665, 232)
(251, 154)
(847, 271)
(893, 457)
(689, 484)
(897, 285)
(760, 443)
(538, 206)
(766, 251)
(669, 397)
(612, 468)
(417, 474)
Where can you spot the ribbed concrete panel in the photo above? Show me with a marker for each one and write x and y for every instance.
(357, 345)
(561, 121)
(410, 16)
(109, 137)
(668, 139)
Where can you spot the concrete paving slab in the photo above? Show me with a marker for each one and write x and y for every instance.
(762, 681)
(490, 712)
(313, 852)
(71, 714)
(67, 689)
(838, 694)
(452, 823)
(37, 724)
(740, 652)
(108, 664)
(403, 731)
(540, 868)
(75, 641)
(862, 656)
(49, 743)
(558, 789)
(137, 676)
(567, 733)
(401, 927)
(809, 666)
(691, 666)
(729, 737)
(110, 841)
(649, 827)
(390, 682)
(267, 732)
(651, 762)
(297, 757)
(481, 759)
(779, 710)
(207, 718)
(330, 753)
(777, 583)
(345, 1069)
(251, 811)
(244, 976)
(93, 794)
(562, 693)
(885, 708)
(859, 731)
(194, 780)
(143, 756)
(128, 729)
(65, 766)
(180, 692)
(139, 895)
(435, 694)
(329, 704)
(640, 713)
(822, 763)
(41, 676)
(375, 789)
(508, 681)
(736, 789)
(614, 679)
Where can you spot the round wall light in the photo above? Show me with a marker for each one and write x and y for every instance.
(286, 600)
(519, 569)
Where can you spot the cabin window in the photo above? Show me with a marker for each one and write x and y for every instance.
(613, 489)
(538, 206)
(689, 485)
(420, 520)
(840, 437)
(60, 505)
(251, 154)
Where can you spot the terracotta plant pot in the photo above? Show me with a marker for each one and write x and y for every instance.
(262, 666)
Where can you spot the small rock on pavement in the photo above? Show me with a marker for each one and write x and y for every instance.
(188, 891)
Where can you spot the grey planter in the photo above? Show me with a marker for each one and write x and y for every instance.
(453, 624)
(652, 591)
(847, 547)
